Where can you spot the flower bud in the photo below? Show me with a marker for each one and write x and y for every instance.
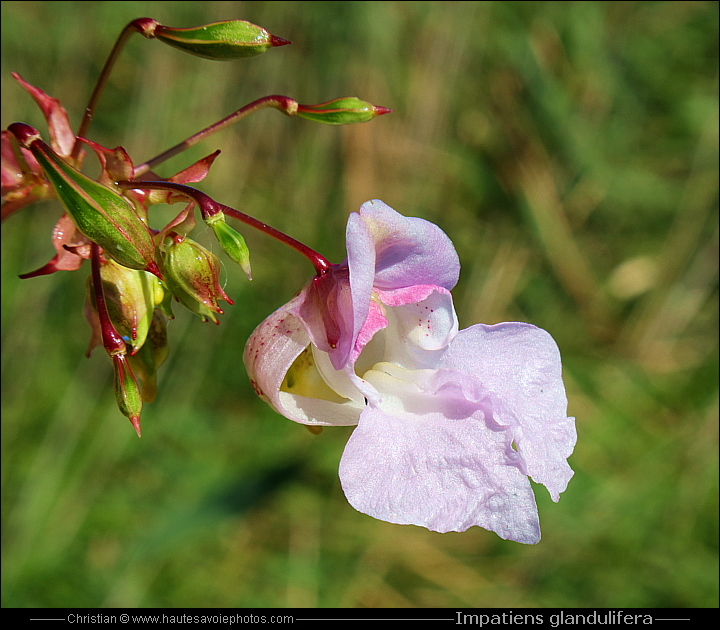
(193, 277)
(131, 297)
(341, 111)
(222, 40)
(100, 213)
(231, 241)
(150, 357)
(127, 391)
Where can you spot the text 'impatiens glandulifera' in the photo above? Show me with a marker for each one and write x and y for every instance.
(450, 424)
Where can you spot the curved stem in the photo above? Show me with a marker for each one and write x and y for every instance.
(283, 103)
(210, 208)
(321, 264)
(141, 25)
(112, 341)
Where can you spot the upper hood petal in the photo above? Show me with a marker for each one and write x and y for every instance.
(408, 250)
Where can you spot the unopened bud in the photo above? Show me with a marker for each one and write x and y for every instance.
(231, 241)
(222, 40)
(193, 277)
(127, 391)
(100, 213)
(150, 357)
(341, 111)
(131, 296)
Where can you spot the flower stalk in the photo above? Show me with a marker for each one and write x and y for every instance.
(127, 391)
(211, 208)
(139, 25)
(284, 104)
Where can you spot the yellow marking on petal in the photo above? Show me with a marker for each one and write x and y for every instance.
(304, 379)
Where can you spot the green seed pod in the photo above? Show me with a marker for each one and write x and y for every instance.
(130, 295)
(341, 111)
(100, 213)
(222, 40)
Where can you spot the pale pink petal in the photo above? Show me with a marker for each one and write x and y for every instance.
(281, 368)
(361, 268)
(519, 365)
(421, 322)
(374, 322)
(408, 250)
(326, 310)
(443, 474)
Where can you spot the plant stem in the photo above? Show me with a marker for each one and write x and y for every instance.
(283, 103)
(209, 208)
(112, 341)
(321, 264)
(141, 25)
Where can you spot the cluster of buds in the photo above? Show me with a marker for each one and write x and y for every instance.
(138, 271)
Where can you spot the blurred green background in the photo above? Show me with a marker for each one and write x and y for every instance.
(570, 151)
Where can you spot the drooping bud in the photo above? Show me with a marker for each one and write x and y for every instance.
(231, 241)
(100, 213)
(130, 295)
(192, 275)
(127, 391)
(232, 39)
(341, 111)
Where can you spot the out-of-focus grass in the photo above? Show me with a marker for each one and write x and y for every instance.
(570, 152)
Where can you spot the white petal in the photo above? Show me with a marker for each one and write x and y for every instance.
(421, 321)
(282, 371)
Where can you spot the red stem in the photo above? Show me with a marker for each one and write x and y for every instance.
(112, 341)
(210, 208)
(283, 103)
(141, 25)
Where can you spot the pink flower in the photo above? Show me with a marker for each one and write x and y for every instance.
(449, 424)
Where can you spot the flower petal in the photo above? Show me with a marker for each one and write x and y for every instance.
(408, 250)
(72, 249)
(282, 370)
(62, 137)
(440, 473)
(325, 308)
(519, 365)
(421, 321)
